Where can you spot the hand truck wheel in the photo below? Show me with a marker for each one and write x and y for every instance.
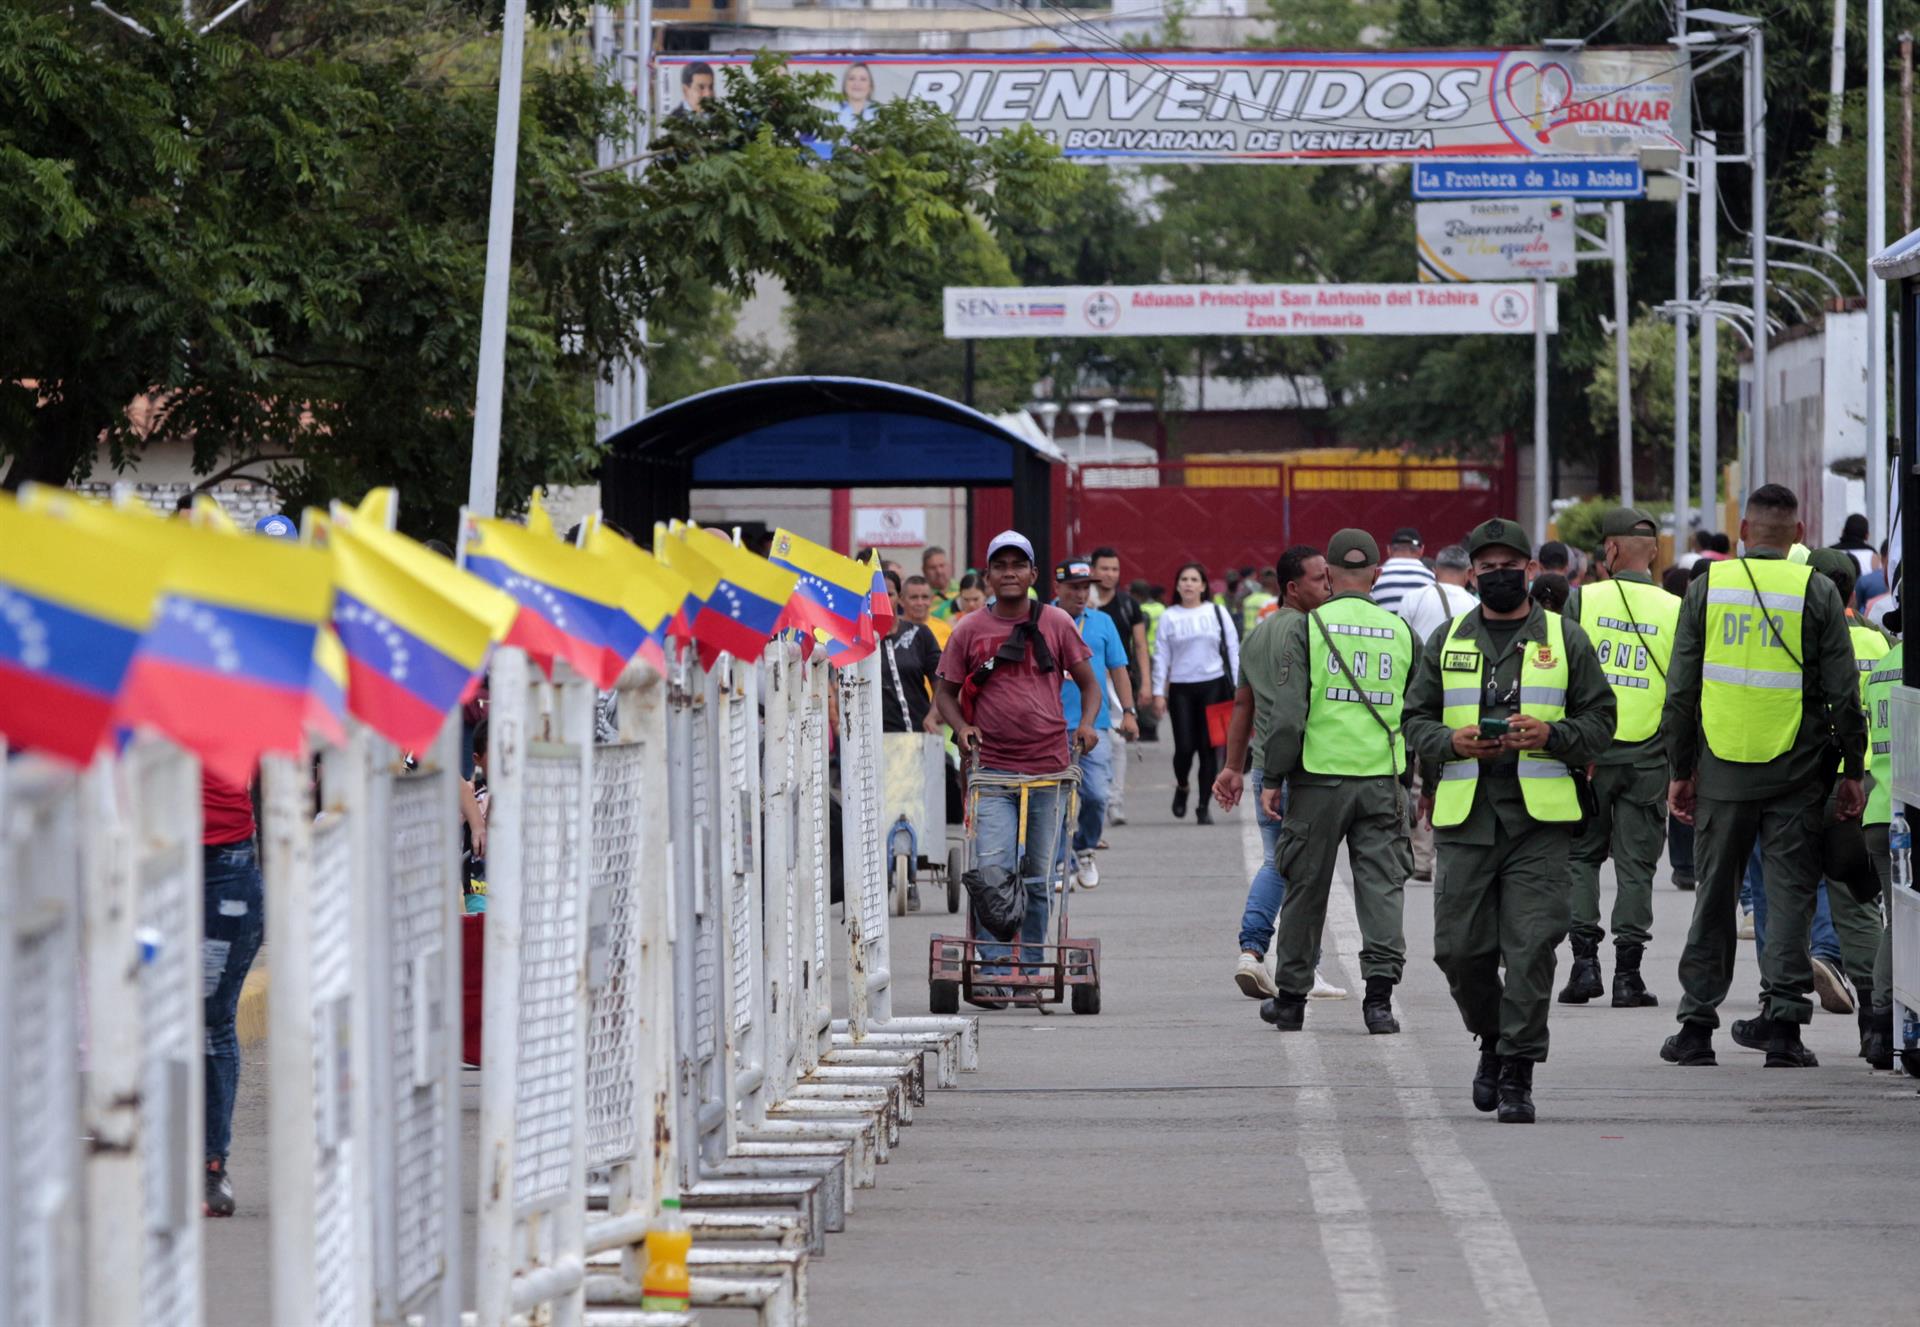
(956, 867)
(943, 997)
(1086, 999)
(897, 890)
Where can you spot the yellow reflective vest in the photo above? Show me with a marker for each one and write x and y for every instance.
(1631, 625)
(1546, 784)
(1751, 678)
(1886, 675)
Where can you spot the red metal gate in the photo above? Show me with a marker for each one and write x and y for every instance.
(1232, 515)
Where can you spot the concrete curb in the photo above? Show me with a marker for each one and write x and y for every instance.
(251, 1021)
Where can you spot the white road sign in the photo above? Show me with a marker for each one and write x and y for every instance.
(1495, 239)
(1246, 310)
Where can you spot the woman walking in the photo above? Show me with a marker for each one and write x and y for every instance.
(1196, 656)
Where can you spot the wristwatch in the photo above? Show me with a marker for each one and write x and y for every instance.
(1130, 710)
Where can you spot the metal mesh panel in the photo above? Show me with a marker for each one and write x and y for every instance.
(706, 940)
(39, 1042)
(330, 922)
(550, 922)
(738, 782)
(170, 980)
(419, 881)
(814, 736)
(613, 1037)
(865, 864)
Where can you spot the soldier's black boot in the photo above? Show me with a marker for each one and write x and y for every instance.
(1863, 1018)
(1629, 992)
(1692, 1044)
(1583, 979)
(1486, 1081)
(1785, 1049)
(1376, 1008)
(1877, 1049)
(1287, 1013)
(1516, 1090)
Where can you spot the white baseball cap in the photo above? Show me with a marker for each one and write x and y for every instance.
(1010, 539)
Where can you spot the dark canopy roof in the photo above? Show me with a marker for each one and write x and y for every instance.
(815, 432)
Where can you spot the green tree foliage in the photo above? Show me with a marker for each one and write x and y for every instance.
(276, 234)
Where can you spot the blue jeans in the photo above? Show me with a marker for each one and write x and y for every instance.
(996, 842)
(1268, 888)
(1096, 786)
(1824, 941)
(231, 928)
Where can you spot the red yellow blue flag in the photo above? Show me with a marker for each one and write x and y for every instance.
(327, 693)
(570, 602)
(881, 600)
(652, 591)
(74, 603)
(832, 592)
(742, 597)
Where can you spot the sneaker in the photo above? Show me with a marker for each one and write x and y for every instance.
(1116, 816)
(1253, 979)
(990, 997)
(1325, 990)
(1836, 992)
(1087, 875)
(1746, 923)
(217, 1200)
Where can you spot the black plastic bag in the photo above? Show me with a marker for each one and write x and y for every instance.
(998, 899)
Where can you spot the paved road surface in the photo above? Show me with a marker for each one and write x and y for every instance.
(1176, 1158)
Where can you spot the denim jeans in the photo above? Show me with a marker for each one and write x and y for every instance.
(1268, 888)
(1096, 782)
(231, 929)
(996, 842)
(1824, 941)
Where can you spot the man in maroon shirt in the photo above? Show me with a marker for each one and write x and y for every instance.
(233, 923)
(1017, 727)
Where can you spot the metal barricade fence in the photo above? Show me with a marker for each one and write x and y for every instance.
(314, 832)
(531, 1248)
(413, 1080)
(870, 1023)
(41, 1180)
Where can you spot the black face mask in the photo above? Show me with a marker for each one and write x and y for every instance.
(1503, 590)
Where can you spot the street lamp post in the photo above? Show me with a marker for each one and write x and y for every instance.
(483, 482)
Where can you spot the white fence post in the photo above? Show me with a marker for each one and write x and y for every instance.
(318, 1043)
(870, 1023)
(41, 1181)
(532, 1182)
(413, 958)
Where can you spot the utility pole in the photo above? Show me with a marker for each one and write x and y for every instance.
(1542, 490)
(623, 47)
(483, 483)
(1682, 370)
(1756, 104)
(1876, 290)
(1623, 386)
(1836, 98)
(1708, 170)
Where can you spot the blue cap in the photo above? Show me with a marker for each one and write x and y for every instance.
(277, 526)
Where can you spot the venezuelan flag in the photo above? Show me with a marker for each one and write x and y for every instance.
(327, 692)
(570, 604)
(415, 629)
(743, 597)
(654, 592)
(226, 666)
(881, 600)
(74, 603)
(832, 593)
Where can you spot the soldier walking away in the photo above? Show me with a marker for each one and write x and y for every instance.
(1761, 691)
(1509, 704)
(1631, 623)
(1335, 739)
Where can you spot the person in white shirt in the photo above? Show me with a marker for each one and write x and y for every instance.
(1403, 572)
(1447, 598)
(1196, 656)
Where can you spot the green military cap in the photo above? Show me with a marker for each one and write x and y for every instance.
(1628, 521)
(1834, 562)
(1354, 550)
(1498, 533)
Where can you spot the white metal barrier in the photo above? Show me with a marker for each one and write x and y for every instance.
(315, 852)
(40, 1159)
(658, 1011)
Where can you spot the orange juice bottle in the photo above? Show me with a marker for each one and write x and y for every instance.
(664, 1286)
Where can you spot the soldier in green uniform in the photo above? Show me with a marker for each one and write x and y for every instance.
(1631, 622)
(1509, 704)
(1877, 1046)
(1334, 739)
(1761, 691)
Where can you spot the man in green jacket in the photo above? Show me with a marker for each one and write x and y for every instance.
(1509, 704)
(1631, 622)
(1335, 740)
(1762, 691)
